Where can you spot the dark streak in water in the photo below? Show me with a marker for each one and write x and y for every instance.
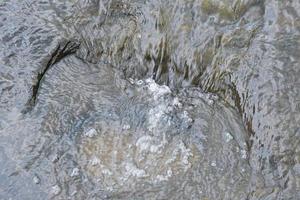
(63, 50)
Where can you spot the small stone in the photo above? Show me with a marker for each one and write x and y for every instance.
(228, 137)
(126, 127)
(55, 190)
(187, 117)
(91, 133)
(169, 173)
(131, 80)
(213, 164)
(75, 172)
(55, 158)
(244, 154)
(139, 36)
(210, 102)
(36, 179)
(74, 193)
(94, 161)
(140, 82)
(177, 103)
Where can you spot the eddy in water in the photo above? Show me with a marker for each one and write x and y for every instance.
(148, 99)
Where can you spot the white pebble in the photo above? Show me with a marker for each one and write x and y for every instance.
(36, 179)
(75, 172)
(228, 137)
(177, 103)
(55, 190)
(73, 193)
(140, 82)
(213, 164)
(244, 154)
(210, 102)
(131, 80)
(91, 133)
(55, 158)
(94, 161)
(126, 127)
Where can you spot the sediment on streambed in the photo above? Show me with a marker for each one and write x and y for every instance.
(149, 99)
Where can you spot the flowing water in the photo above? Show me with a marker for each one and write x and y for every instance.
(150, 99)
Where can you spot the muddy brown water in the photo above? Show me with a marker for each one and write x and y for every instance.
(148, 99)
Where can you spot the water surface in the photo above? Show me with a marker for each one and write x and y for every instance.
(142, 99)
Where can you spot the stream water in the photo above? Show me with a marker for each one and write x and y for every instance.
(150, 99)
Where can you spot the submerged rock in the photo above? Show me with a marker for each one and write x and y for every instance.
(149, 99)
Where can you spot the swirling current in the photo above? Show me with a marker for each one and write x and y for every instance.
(150, 99)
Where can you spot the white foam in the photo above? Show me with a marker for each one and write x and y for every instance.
(155, 114)
(134, 171)
(107, 172)
(176, 103)
(183, 153)
(186, 117)
(147, 144)
(160, 178)
(186, 153)
(157, 90)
